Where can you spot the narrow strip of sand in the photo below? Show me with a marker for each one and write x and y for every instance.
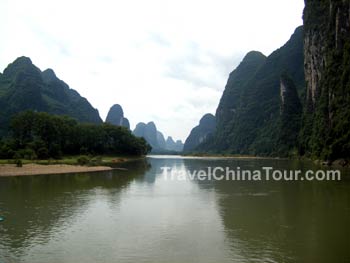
(36, 169)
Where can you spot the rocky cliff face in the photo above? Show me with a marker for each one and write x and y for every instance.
(295, 101)
(327, 69)
(326, 31)
(200, 133)
(115, 116)
(290, 117)
(24, 87)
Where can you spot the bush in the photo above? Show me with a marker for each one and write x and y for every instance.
(26, 153)
(18, 162)
(96, 161)
(43, 153)
(6, 150)
(83, 160)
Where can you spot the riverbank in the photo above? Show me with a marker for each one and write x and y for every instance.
(340, 163)
(72, 164)
(38, 169)
(233, 156)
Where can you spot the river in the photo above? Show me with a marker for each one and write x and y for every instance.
(138, 214)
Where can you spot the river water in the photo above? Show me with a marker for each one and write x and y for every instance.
(138, 214)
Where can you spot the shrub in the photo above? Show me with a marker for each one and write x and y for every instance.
(18, 162)
(27, 154)
(96, 161)
(83, 160)
(42, 153)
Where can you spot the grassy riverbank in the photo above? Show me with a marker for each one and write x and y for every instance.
(210, 155)
(336, 163)
(77, 160)
(68, 164)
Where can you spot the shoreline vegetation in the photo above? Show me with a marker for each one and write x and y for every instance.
(72, 164)
(39, 135)
(208, 155)
(88, 163)
(336, 163)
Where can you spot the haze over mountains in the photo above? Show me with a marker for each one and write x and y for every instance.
(294, 102)
(156, 139)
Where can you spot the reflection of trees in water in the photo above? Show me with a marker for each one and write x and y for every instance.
(34, 205)
(282, 221)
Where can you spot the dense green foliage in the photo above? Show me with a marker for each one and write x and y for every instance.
(249, 119)
(326, 122)
(24, 87)
(230, 102)
(41, 135)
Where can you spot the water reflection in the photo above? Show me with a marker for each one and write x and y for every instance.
(136, 215)
(283, 221)
(34, 206)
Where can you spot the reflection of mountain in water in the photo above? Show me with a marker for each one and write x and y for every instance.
(43, 202)
(279, 220)
(133, 214)
(156, 164)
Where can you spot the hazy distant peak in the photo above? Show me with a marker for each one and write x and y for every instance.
(151, 123)
(115, 116)
(117, 107)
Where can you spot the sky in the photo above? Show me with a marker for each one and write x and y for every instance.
(163, 61)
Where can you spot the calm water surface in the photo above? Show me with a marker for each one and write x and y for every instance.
(136, 215)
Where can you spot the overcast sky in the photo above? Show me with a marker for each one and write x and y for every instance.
(163, 61)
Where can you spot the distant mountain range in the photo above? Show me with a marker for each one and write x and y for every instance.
(23, 86)
(156, 139)
(295, 102)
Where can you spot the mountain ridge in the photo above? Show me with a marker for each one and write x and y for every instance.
(248, 116)
(23, 86)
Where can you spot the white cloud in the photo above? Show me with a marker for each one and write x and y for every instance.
(163, 61)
